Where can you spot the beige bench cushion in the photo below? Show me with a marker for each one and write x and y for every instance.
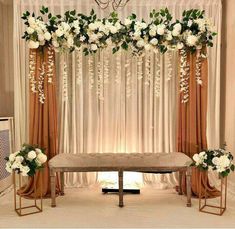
(119, 161)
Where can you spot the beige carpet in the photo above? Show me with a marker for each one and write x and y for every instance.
(88, 207)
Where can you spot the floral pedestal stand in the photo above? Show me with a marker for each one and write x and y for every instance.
(19, 208)
(204, 206)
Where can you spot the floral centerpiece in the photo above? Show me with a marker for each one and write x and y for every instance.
(218, 160)
(26, 161)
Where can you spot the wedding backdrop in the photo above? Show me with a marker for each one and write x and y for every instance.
(119, 102)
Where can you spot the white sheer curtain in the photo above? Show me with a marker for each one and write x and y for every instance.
(127, 116)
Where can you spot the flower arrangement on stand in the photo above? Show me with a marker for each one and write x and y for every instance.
(26, 163)
(220, 161)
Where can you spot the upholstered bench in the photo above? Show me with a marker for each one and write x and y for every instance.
(120, 162)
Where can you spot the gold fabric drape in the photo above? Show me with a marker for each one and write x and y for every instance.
(43, 121)
(191, 133)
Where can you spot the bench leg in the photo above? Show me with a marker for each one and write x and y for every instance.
(120, 182)
(62, 183)
(188, 183)
(52, 176)
(180, 192)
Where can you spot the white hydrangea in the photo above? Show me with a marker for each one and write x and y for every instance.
(30, 30)
(192, 40)
(24, 170)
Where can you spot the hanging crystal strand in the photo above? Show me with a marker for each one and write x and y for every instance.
(78, 61)
(157, 75)
(198, 67)
(41, 82)
(50, 64)
(128, 76)
(90, 71)
(139, 68)
(169, 64)
(184, 76)
(32, 68)
(147, 69)
(100, 86)
(65, 79)
(106, 65)
(118, 67)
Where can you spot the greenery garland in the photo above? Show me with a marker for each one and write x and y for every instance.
(74, 31)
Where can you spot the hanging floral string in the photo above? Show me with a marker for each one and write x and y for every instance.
(91, 72)
(32, 68)
(169, 65)
(78, 61)
(51, 63)
(41, 83)
(65, 79)
(139, 68)
(184, 76)
(118, 68)
(100, 81)
(198, 67)
(157, 79)
(147, 69)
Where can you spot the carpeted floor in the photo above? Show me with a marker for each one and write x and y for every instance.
(88, 207)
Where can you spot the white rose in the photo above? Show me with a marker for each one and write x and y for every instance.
(30, 30)
(33, 44)
(77, 30)
(31, 20)
(154, 41)
(42, 158)
(169, 36)
(92, 26)
(140, 43)
(32, 154)
(192, 40)
(196, 157)
(137, 35)
(127, 22)
(177, 27)
(47, 36)
(59, 32)
(152, 32)
(76, 24)
(215, 160)
(175, 33)
(55, 44)
(19, 159)
(113, 29)
(225, 162)
(94, 47)
(24, 170)
(8, 167)
(180, 45)
(38, 150)
(16, 165)
(12, 157)
(65, 26)
(118, 25)
(161, 29)
(41, 37)
(202, 154)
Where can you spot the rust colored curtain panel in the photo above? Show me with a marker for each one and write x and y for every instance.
(43, 116)
(191, 133)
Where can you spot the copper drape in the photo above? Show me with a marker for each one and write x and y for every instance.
(43, 121)
(191, 131)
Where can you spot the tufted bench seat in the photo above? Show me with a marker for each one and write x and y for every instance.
(120, 162)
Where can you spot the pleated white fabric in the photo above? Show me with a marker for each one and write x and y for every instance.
(109, 103)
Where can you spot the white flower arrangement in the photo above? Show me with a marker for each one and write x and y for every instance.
(73, 31)
(26, 161)
(219, 160)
